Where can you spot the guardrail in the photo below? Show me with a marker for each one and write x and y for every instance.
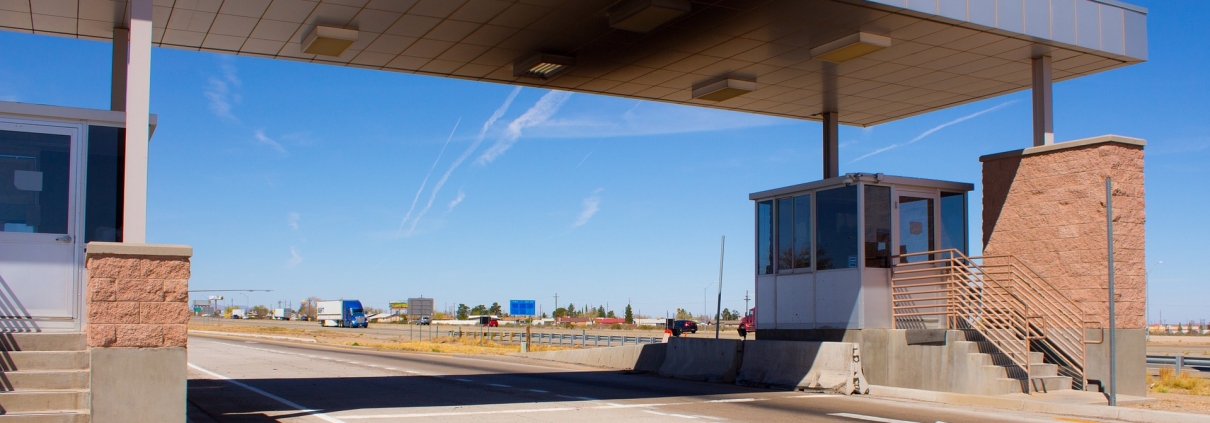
(566, 339)
(1179, 362)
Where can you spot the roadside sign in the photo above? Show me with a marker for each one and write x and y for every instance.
(398, 305)
(521, 308)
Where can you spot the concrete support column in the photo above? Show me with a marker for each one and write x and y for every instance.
(831, 145)
(1044, 131)
(138, 111)
(137, 308)
(121, 56)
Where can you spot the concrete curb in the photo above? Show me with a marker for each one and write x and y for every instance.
(1016, 404)
(251, 335)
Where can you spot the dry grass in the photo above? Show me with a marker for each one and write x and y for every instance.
(450, 345)
(1183, 383)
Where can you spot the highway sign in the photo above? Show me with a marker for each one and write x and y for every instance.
(398, 305)
(521, 308)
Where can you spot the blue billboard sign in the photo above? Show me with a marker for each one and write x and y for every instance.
(521, 308)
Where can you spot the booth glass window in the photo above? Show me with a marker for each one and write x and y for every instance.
(836, 228)
(106, 176)
(953, 221)
(877, 226)
(764, 238)
(785, 234)
(802, 232)
(35, 171)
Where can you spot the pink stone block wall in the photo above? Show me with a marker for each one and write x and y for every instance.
(137, 301)
(1048, 210)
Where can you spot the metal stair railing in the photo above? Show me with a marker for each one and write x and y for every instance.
(961, 293)
(1057, 319)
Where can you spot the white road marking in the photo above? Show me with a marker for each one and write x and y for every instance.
(454, 413)
(498, 385)
(734, 400)
(869, 418)
(539, 391)
(310, 411)
(463, 380)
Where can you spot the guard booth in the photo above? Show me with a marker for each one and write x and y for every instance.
(824, 249)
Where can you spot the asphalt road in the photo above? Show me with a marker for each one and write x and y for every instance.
(401, 330)
(235, 380)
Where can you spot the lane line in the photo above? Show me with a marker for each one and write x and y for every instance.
(287, 402)
(498, 385)
(869, 418)
(455, 413)
(734, 400)
(539, 391)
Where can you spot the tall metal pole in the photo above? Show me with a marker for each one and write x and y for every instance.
(722, 248)
(1113, 357)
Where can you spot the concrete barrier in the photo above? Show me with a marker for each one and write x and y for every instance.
(828, 366)
(643, 358)
(712, 360)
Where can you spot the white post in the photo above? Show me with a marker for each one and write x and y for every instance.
(1044, 131)
(138, 111)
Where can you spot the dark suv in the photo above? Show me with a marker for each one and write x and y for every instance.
(684, 326)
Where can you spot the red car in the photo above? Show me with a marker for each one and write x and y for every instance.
(747, 324)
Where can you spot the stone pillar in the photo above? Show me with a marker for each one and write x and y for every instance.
(136, 312)
(1046, 206)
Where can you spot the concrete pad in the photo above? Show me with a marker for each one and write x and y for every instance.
(711, 360)
(136, 385)
(1017, 403)
(829, 366)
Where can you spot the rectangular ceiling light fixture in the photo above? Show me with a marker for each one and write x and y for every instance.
(722, 89)
(646, 15)
(850, 47)
(328, 41)
(540, 65)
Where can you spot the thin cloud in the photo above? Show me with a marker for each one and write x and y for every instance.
(295, 259)
(935, 129)
(592, 205)
(655, 119)
(264, 139)
(465, 154)
(457, 201)
(424, 182)
(220, 93)
(546, 107)
(292, 220)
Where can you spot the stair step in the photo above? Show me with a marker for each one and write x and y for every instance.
(39, 380)
(1036, 357)
(1043, 370)
(1051, 383)
(31, 402)
(71, 416)
(72, 341)
(45, 360)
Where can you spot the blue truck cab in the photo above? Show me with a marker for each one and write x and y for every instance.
(341, 313)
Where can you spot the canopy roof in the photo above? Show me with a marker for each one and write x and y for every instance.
(943, 52)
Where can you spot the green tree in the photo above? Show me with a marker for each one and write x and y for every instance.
(682, 314)
(629, 315)
(560, 312)
(479, 310)
(463, 311)
(495, 310)
(260, 311)
(600, 311)
(571, 310)
(611, 315)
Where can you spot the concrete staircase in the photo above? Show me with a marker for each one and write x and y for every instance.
(1001, 376)
(44, 378)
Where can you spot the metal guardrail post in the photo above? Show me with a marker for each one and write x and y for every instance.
(1180, 364)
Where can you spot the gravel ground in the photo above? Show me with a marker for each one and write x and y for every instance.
(1180, 403)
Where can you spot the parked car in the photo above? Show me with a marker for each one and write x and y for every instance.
(748, 323)
(684, 326)
(424, 320)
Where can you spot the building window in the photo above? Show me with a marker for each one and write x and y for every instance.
(953, 221)
(785, 234)
(106, 176)
(802, 232)
(836, 228)
(877, 226)
(764, 238)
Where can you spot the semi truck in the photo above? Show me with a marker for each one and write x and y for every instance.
(281, 314)
(341, 314)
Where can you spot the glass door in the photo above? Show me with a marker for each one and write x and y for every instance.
(917, 225)
(39, 249)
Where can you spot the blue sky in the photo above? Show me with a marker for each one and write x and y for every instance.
(315, 180)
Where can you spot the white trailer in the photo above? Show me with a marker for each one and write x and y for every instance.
(281, 313)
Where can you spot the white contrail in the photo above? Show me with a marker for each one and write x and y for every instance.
(540, 112)
(426, 178)
(935, 129)
(465, 154)
(592, 205)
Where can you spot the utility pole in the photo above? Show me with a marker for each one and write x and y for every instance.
(718, 306)
(556, 301)
(746, 308)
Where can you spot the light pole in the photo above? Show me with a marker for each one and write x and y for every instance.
(706, 302)
(246, 303)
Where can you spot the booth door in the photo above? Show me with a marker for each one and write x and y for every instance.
(39, 250)
(917, 225)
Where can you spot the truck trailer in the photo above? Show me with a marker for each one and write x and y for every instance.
(281, 314)
(341, 313)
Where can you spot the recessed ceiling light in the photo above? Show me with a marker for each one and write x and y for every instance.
(723, 89)
(850, 47)
(542, 65)
(328, 41)
(646, 15)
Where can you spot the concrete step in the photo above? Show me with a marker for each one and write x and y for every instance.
(1009, 386)
(1051, 383)
(72, 416)
(45, 360)
(1036, 357)
(1043, 369)
(31, 402)
(39, 380)
(71, 341)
